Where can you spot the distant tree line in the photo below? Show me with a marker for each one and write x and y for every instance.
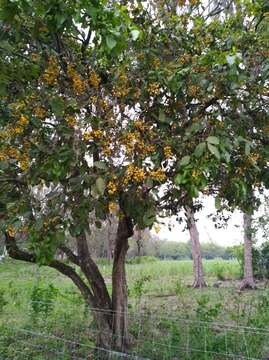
(178, 250)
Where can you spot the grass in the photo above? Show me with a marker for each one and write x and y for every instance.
(166, 314)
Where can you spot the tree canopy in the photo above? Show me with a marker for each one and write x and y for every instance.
(129, 108)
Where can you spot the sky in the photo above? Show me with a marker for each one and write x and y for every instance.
(231, 235)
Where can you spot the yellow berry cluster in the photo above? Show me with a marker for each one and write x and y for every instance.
(50, 221)
(94, 79)
(93, 99)
(11, 231)
(140, 125)
(145, 149)
(71, 121)
(121, 89)
(23, 121)
(107, 151)
(156, 63)
(184, 59)
(112, 207)
(193, 2)
(52, 72)
(158, 174)
(104, 105)
(111, 188)
(40, 112)
(168, 153)
(137, 93)
(93, 135)
(17, 129)
(195, 174)
(129, 140)
(134, 173)
(34, 57)
(24, 162)
(154, 88)
(253, 158)
(2, 155)
(193, 90)
(13, 153)
(79, 85)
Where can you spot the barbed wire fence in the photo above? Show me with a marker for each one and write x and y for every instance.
(54, 330)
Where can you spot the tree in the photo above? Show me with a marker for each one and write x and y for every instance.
(248, 280)
(51, 116)
(199, 281)
(98, 114)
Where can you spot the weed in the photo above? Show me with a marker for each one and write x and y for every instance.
(42, 299)
(3, 301)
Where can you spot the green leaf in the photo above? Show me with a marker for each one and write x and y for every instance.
(135, 34)
(200, 149)
(162, 116)
(57, 106)
(226, 156)
(185, 160)
(217, 203)
(100, 185)
(75, 229)
(100, 165)
(4, 44)
(193, 191)
(213, 140)
(149, 217)
(179, 179)
(3, 89)
(111, 42)
(247, 148)
(214, 150)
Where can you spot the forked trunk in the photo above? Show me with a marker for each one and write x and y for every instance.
(119, 285)
(199, 281)
(104, 337)
(248, 280)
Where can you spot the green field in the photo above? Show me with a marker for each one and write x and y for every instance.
(44, 317)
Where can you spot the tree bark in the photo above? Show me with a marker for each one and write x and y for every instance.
(119, 285)
(92, 273)
(199, 281)
(109, 249)
(139, 241)
(248, 280)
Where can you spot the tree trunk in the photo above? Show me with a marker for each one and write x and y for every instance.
(119, 285)
(248, 280)
(109, 250)
(139, 241)
(110, 316)
(199, 281)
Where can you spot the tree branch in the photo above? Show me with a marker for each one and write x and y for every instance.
(15, 253)
(70, 255)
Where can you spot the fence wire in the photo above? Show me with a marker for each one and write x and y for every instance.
(65, 331)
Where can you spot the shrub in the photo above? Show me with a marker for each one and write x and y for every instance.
(42, 299)
(260, 259)
(141, 260)
(138, 287)
(219, 271)
(3, 301)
